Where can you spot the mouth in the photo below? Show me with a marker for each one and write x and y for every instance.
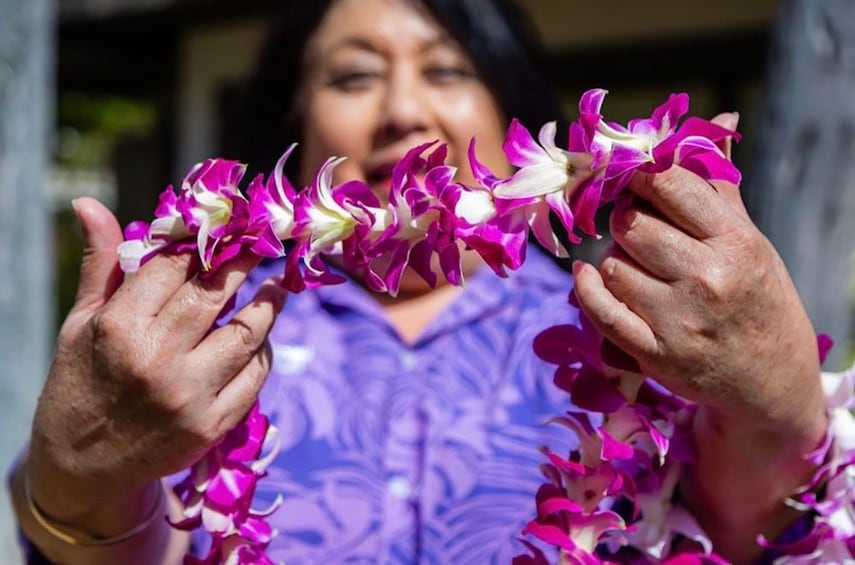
(379, 178)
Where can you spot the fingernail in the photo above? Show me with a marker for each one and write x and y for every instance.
(273, 291)
(75, 204)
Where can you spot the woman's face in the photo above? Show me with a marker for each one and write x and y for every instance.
(382, 77)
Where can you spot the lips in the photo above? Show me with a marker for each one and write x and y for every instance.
(379, 173)
(379, 178)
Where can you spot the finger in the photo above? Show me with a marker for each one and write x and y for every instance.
(729, 191)
(196, 304)
(229, 348)
(631, 284)
(237, 397)
(611, 317)
(100, 275)
(655, 244)
(685, 199)
(727, 120)
(150, 288)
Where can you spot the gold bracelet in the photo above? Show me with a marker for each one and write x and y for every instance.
(83, 539)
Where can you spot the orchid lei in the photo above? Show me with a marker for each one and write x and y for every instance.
(612, 499)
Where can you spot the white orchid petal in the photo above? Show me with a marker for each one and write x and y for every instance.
(536, 180)
(547, 140)
(475, 206)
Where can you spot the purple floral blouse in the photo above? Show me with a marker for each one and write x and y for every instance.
(409, 453)
(404, 453)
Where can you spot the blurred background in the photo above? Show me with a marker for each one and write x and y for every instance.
(118, 98)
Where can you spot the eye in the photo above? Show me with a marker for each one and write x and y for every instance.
(352, 81)
(446, 74)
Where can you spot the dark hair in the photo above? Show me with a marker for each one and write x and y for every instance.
(496, 35)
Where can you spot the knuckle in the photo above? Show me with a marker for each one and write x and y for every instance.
(177, 402)
(667, 183)
(610, 318)
(109, 326)
(203, 433)
(259, 368)
(211, 436)
(111, 349)
(207, 295)
(180, 263)
(246, 334)
(621, 221)
(715, 285)
(610, 271)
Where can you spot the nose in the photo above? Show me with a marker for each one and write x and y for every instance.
(405, 108)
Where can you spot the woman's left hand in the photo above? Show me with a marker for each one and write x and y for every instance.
(700, 298)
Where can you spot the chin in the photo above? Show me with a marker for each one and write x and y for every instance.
(413, 284)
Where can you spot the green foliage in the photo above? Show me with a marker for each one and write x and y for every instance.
(89, 126)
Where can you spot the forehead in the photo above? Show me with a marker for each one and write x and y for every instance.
(383, 25)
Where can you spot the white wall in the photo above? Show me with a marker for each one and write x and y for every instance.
(208, 58)
(571, 23)
(26, 277)
(213, 55)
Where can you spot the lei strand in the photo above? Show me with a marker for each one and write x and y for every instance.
(614, 495)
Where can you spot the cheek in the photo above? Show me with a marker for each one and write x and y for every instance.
(332, 128)
(476, 116)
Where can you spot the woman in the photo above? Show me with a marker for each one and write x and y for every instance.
(409, 426)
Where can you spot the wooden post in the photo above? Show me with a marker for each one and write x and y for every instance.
(801, 190)
(26, 298)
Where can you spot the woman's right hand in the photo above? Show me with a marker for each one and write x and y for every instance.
(140, 387)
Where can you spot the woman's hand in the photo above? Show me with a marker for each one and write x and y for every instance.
(140, 386)
(699, 297)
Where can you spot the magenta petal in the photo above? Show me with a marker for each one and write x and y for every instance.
(449, 262)
(480, 172)
(586, 202)
(537, 556)
(557, 504)
(564, 464)
(709, 165)
(247, 555)
(824, 343)
(520, 146)
(268, 245)
(552, 344)
(256, 531)
(592, 101)
(136, 230)
(501, 242)
(230, 485)
(591, 390)
(624, 159)
(613, 449)
(694, 126)
(564, 378)
(552, 535)
(664, 118)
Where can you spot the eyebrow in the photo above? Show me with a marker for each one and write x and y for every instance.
(364, 43)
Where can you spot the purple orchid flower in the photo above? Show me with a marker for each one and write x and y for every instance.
(635, 437)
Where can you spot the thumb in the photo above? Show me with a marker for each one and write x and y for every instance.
(100, 275)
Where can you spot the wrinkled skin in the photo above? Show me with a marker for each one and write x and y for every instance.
(700, 299)
(139, 388)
